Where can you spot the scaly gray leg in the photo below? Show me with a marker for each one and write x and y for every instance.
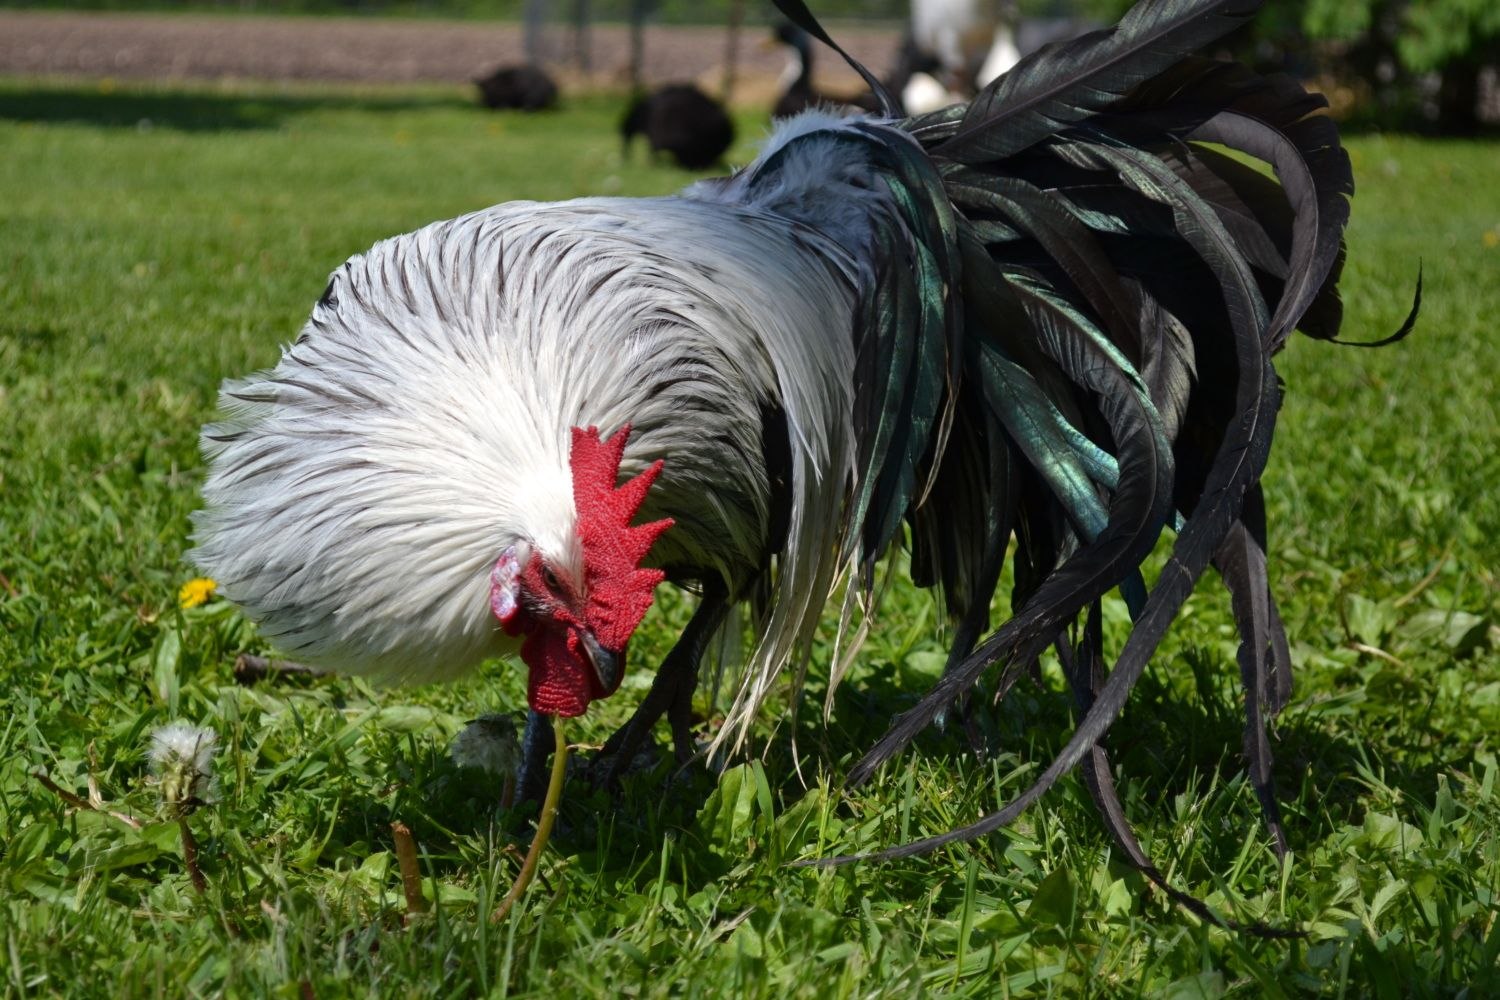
(536, 746)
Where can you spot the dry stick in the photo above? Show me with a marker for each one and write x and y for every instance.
(249, 668)
(1427, 580)
(80, 803)
(411, 876)
(543, 824)
(63, 793)
(1375, 651)
(511, 850)
(96, 804)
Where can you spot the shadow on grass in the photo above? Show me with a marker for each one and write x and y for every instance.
(1165, 746)
(193, 111)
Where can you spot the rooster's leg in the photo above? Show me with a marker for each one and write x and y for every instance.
(671, 692)
(680, 718)
(536, 743)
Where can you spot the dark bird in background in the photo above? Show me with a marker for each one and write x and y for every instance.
(1038, 327)
(525, 88)
(797, 90)
(681, 120)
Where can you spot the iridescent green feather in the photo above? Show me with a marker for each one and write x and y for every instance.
(1089, 295)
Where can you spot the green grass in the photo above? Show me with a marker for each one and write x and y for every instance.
(155, 242)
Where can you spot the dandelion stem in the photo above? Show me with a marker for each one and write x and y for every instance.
(543, 824)
(190, 856)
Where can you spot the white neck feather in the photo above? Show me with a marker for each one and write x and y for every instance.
(360, 492)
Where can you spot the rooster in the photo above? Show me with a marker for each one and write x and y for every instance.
(1047, 316)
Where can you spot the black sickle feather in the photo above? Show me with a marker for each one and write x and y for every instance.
(1274, 120)
(1241, 456)
(1084, 669)
(1137, 511)
(922, 365)
(796, 11)
(1252, 206)
(1241, 560)
(1121, 286)
(908, 344)
(1037, 214)
(1168, 364)
(977, 487)
(1407, 325)
(1072, 586)
(1067, 81)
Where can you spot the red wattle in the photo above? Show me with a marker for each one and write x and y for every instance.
(616, 589)
(558, 680)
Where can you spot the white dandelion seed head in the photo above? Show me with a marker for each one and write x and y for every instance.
(184, 743)
(489, 744)
(182, 759)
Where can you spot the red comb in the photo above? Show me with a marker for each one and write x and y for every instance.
(560, 681)
(619, 589)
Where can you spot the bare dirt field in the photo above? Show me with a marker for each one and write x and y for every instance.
(174, 47)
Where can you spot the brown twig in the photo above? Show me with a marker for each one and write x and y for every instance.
(1427, 580)
(1375, 651)
(96, 799)
(10, 588)
(411, 875)
(190, 856)
(81, 803)
(249, 668)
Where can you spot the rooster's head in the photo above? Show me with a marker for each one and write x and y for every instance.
(578, 614)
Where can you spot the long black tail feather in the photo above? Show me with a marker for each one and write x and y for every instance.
(1122, 284)
(1083, 666)
(1265, 670)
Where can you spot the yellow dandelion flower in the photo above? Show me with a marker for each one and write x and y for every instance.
(1491, 238)
(196, 591)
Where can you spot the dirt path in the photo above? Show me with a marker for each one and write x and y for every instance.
(206, 47)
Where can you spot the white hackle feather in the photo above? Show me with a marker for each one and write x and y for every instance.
(360, 492)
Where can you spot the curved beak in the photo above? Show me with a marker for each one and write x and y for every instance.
(608, 667)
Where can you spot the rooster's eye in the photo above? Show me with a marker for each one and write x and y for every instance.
(550, 579)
